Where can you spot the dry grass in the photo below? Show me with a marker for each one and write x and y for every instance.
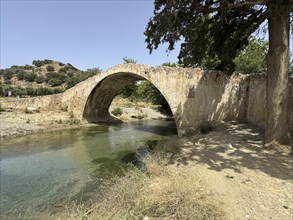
(165, 192)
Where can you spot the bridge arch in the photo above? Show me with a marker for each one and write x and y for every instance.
(99, 100)
(193, 95)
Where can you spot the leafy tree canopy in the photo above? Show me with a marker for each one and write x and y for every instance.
(211, 32)
(128, 60)
(252, 58)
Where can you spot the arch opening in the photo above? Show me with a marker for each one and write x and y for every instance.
(97, 106)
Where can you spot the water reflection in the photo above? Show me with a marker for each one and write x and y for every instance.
(37, 174)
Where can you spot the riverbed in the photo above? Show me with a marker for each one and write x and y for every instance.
(41, 174)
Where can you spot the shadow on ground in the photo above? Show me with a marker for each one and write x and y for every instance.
(235, 146)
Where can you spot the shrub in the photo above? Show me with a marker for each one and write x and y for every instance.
(6, 89)
(7, 81)
(40, 79)
(26, 67)
(57, 90)
(61, 64)
(71, 82)
(38, 63)
(30, 77)
(18, 91)
(20, 75)
(50, 68)
(70, 74)
(30, 91)
(62, 70)
(46, 61)
(8, 74)
(1, 72)
(53, 75)
(55, 82)
(117, 111)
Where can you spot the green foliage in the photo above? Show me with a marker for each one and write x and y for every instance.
(93, 71)
(7, 81)
(54, 79)
(57, 90)
(252, 58)
(67, 75)
(46, 61)
(26, 67)
(128, 90)
(71, 82)
(62, 70)
(147, 92)
(30, 77)
(40, 79)
(50, 68)
(207, 30)
(170, 64)
(117, 111)
(128, 60)
(70, 74)
(38, 63)
(20, 75)
(55, 82)
(8, 74)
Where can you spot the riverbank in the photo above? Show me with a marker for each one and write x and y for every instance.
(228, 170)
(19, 123)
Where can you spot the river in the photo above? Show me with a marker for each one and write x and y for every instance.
(40, 174)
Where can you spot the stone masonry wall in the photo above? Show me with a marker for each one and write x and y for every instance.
(194, 96)
(47, 103)
(256, 107)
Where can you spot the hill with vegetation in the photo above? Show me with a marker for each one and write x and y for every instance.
(43, 77)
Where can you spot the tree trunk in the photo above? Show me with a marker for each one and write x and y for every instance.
(277, 117)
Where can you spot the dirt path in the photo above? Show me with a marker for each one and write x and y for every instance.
(252, 182)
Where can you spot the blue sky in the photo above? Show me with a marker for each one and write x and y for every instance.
(84, 33)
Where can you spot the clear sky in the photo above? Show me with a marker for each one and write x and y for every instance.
(86, 34)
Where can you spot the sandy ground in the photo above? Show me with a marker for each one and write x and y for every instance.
(253, 182)
(18, 123)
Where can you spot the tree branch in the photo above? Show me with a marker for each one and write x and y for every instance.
(248, 2)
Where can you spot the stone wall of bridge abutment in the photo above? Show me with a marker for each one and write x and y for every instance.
(256, 106)
(194, 96)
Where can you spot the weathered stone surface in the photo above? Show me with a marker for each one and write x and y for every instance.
(256, 106)
(194, 96)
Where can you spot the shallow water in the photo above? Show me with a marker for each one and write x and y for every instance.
(40, 174)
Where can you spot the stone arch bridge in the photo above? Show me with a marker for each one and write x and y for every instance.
(193, 95)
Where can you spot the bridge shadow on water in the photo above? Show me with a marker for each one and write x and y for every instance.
(162, 130)
(235, 146)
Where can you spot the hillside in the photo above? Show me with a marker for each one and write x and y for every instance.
(43, 77)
